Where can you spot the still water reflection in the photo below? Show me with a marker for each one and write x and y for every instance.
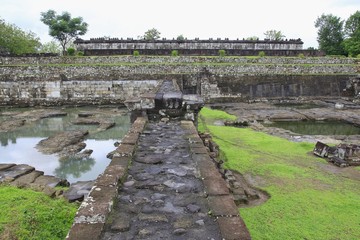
(19, 146)
(318, 127)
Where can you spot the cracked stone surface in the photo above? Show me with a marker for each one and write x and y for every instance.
(162, 197)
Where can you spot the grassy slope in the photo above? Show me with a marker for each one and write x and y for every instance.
(26, 214)
(307, 202)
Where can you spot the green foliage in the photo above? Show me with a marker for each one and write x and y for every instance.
(222, 53)
(274, 35)
(330, 34)
(253, 38)
(180, 38)
(352, 30)
(16, 41)
(50, 47)
(71, 51)
(262, 54)
(306, 198)
(136, 53)
(174, 53)
(26, 214)
(79, 53)
(301, 55)
(64, 28)
(151, 34)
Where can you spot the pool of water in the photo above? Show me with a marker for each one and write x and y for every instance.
(318, 127)
(19, 146)
(298, 105)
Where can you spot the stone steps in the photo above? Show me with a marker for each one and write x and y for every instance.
(25, 176)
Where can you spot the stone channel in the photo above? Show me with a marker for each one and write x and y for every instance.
(161, 182)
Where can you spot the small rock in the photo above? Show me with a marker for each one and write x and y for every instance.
(193, 208)
(129, 183)
(179, 231)
(200, 222)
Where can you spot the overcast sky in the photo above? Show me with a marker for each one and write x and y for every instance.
(192, 18)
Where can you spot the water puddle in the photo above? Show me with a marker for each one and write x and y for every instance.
(18, 146)
(317, 127)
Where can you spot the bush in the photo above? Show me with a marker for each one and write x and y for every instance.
(222, 53)
(136, 53)
(262, 54)
(301, 55)
(71, 51)
(79, 53)
(174, 53)
(358, 56)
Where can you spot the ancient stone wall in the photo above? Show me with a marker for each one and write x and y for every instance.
(107, 80)
(197, 47)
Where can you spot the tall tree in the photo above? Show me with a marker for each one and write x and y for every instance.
(63, 28)
(16, 41)
(352, 31)
(151, 34)
(274, 35)
(330, 34)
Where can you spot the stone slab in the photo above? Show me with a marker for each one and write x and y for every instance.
(138, 125)
(233, 228)
(122, 161)
(14, 172)
(50, 181)
(85, 231)
(130, 138)
(223, 206)
(27, 178)
(215, 186)
(124, 150)
(4, 166)
(111, 176)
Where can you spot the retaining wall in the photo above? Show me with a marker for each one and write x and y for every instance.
(107, 80)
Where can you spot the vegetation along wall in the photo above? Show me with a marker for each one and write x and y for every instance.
(112, 80)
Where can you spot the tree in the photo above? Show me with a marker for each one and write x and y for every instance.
(274, 35)
(180, 38)
(63, 28)
(151, 34)
(16, 41)
(352, 31)
(330, 34)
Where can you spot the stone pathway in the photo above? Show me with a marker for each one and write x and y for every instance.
(163, 196)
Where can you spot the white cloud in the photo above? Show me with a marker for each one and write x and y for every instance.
(192, 18)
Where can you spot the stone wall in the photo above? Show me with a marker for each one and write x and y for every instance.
(72, 92)
(197, 47)
(112, 80)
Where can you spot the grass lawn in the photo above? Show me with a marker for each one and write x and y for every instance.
(310, 199)
(26, 214)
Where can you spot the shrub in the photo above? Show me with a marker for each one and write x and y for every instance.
(136, 53)
(301, 55)
(262, 54)
(174, 53)
(71, 51)
(80, 53)
(222, 53)
(358, 56)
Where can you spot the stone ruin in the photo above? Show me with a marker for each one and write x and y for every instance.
(353, 88)
(342, 155)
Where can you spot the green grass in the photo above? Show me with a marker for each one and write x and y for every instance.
(26, 214)
(307, 201)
